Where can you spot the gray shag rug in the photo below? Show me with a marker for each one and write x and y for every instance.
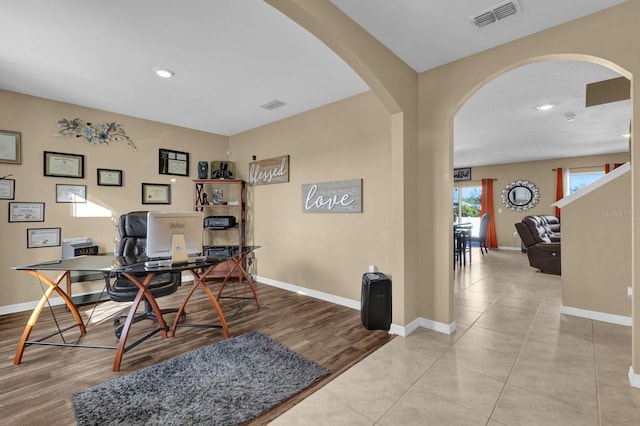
(228, 383)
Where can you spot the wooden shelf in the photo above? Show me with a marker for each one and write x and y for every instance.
(232, 190)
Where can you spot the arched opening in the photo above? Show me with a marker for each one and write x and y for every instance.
(499, 133)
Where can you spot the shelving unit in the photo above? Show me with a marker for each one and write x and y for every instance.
(233, 191)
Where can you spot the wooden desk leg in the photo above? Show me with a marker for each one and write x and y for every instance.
(249, 282)
(198, 281)
(243, 273)
(143, 292)
(35, 315)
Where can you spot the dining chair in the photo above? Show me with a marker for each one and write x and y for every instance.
(482, 233)
(462, 243)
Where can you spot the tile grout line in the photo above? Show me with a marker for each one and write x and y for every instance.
(524, 343)
(595, 368)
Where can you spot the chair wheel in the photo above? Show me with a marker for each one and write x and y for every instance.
(183, 317)
(116, 322)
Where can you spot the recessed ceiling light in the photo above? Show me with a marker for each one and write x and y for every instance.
(545, 107)
(626, 135)
(164, 72)
(570, 116)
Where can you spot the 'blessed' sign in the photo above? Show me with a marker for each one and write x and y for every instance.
(272, 170)
(343, 196)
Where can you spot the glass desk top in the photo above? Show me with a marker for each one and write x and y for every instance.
(109, 263)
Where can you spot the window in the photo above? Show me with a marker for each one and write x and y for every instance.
(456, 205)
(466, 205)
(577, 181)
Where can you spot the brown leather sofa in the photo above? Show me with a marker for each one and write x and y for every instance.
(541, 236)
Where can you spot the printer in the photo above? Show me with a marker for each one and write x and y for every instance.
(219, 222)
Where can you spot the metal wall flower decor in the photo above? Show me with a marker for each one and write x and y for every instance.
(98, 134)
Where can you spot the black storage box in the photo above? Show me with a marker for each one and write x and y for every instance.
(221, 251)
(375, 309)
(219, 222)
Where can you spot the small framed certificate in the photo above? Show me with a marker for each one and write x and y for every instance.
(43, 237)
(7, 189)
(63, 165)
(26, 212)
(9, 147)
(156, 193)
(173, 162)
(71, 193)
(109, 177)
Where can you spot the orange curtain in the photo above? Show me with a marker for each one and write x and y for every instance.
(559, 189)
(486, 206)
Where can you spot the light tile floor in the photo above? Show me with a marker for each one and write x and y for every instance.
(514, 360)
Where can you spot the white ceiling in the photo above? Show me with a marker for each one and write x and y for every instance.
(232, 56)
(500, 123)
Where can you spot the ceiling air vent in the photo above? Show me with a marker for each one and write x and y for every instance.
(496, 13)
(273, 104)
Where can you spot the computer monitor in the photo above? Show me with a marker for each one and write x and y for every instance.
(174, 234)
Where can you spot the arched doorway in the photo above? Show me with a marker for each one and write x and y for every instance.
(500, 124)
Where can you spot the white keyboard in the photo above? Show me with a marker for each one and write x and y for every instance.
(168, 262)
(157, 263)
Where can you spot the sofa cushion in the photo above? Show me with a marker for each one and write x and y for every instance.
(541, 228)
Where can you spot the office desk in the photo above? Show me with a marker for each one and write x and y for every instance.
(238, 263)
(109, 266)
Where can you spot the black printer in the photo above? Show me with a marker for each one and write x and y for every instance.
(219, 222)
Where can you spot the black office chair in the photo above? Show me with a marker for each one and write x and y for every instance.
(131, 247)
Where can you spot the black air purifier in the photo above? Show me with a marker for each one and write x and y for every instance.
(375, 309)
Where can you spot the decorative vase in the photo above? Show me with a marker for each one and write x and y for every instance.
(203, 169)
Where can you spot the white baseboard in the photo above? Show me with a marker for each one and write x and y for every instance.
(510, 248)
(438, 326)
(634, 379)
(342, 301)
(355, 304)
(57, 300)
(29, 306)
(595, 315)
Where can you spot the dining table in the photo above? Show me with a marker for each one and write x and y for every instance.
(461, 243)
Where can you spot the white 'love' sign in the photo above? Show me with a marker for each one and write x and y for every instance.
(343, 196)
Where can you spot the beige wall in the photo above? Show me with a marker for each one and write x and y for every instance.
(543, 175)
(326, 252)
(596, 261)
(395, 84)
(37, 119)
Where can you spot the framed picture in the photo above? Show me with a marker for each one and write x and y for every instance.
(43, 237)
(156, 193)
(462, 174)
(63, 165)
(7, 189)
(71, 193)
(9, 147)
(173, 162)
(108, 177)
(26, 212)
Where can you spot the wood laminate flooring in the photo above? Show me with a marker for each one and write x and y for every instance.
(39, 390)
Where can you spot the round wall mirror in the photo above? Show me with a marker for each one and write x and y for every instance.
(520, 195)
